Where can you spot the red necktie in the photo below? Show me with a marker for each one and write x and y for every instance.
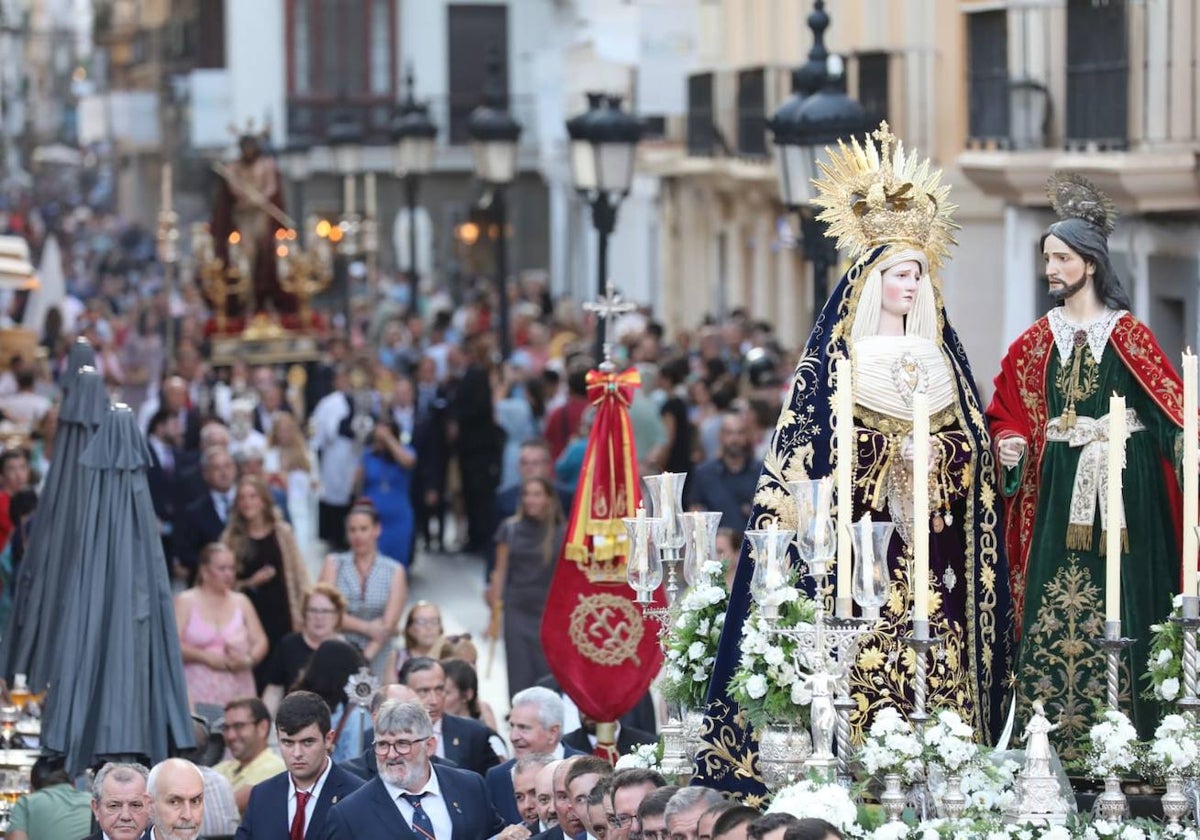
(297, 832)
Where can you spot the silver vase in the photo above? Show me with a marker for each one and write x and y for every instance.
(1112, 806)
(1174, 802)
(893, 797)
(782, 750)
(693, 731)
(954, 801)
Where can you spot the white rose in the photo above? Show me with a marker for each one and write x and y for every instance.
(696, 650)
(1164, 656)
(756, 687)
(1169, 689)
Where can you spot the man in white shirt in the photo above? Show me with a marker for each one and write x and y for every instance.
(410, 794)
(338, 451)
(310, 785)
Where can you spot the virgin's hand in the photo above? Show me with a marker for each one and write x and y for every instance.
(906, 452)
(1010, 451)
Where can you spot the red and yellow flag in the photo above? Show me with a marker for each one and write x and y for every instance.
(601, 650)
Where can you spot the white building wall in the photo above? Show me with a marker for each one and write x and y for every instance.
(257, 63)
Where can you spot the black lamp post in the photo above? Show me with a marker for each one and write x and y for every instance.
(817, 114)
(604, 142)
(494, 134)
(416, 140)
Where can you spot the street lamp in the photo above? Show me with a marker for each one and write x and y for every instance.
(604, 142)
(817, 114)
(494, 135)
(416, 138)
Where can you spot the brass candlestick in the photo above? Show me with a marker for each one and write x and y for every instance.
(220, 283)
(303, 274)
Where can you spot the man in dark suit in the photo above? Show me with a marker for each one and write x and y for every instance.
(295, 803)
(534, 727)
(176, 800)
(365, 766)
(411, 798)
(462, 740)
(163, 437)
(119, 802)
(479, 442)
(203, 519)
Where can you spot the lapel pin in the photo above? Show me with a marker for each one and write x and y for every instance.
(334, 800)
(455, 742)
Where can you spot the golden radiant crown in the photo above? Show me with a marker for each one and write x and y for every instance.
(877, 195)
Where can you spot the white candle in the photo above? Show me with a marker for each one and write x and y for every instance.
(774, 578)
(666, 506)
(166, 187)
(844, 404)
(1191, 478)
(642, 549)
(920, 527)
(1112, 556)
(369, 193)
(349, 200)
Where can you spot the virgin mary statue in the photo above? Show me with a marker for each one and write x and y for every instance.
(887, 316)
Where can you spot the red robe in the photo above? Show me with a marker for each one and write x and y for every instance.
(1018, 408)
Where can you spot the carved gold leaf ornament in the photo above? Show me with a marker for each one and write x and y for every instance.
(606, 629)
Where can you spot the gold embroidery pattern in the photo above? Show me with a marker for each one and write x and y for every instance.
(606, 629)
(1079, 379)
(727, 750)
(1060, 663)
(1143, 355)
(883, 673)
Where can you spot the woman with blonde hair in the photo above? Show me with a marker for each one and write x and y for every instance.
(291, 467)
(270, 570)
(527, 545)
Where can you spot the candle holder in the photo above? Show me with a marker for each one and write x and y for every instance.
(1189, 623)
(302, 272)
(220, 283)
(922, 643)
(1113, 643)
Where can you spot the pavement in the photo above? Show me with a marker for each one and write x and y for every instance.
(455, 583)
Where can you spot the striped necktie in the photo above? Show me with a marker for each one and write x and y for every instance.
(421, 824)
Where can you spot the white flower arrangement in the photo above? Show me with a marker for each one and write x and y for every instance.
(771, 683)
(1175, 749)
(1164, 668)
(893, 746)
(829, 802)
(645, 756)
(994, 829)
(950, 743)
(693, 638)
(1114, 747)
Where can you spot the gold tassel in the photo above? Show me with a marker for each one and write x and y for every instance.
(1079, 537)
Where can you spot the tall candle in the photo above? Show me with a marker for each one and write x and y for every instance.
(920, 527)
(1112, 555)
(774, 578)
(166, 187)
(369, 193)
(349, 200)
(666, 506)
(844, 404)
(1191, 478)
(642, 548)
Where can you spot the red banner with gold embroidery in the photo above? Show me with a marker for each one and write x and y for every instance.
(601, 650)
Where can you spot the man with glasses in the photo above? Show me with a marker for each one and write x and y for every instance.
(629, 787)
(461, 740)
(411, 797)
(247, 731)
(311, 784)
(119, 802)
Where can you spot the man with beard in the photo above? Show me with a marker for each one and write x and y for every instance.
(412, 797)
(176, 800)
(727, 482)
(1049, 419)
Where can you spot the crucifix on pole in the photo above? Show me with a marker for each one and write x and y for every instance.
(609, 306)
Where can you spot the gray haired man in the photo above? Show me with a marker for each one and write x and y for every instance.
(119, 802)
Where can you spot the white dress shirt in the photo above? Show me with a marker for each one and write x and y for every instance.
(223, 503)
(440, 746)
(433, 803)
(311, 805)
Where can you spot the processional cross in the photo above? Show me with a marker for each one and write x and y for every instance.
(608, 307)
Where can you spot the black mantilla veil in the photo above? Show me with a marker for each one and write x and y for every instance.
(804, 446)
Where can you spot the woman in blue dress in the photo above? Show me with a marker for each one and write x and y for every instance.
(385, 478)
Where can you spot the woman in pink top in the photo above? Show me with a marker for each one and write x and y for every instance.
(220, 635)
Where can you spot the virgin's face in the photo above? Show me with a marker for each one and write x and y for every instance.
(1066, 270)
(900, 287)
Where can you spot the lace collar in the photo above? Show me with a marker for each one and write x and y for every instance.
(1095, 332)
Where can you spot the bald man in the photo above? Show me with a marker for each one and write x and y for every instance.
(176, 791)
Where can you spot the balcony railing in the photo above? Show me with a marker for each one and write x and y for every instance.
(309, 119)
